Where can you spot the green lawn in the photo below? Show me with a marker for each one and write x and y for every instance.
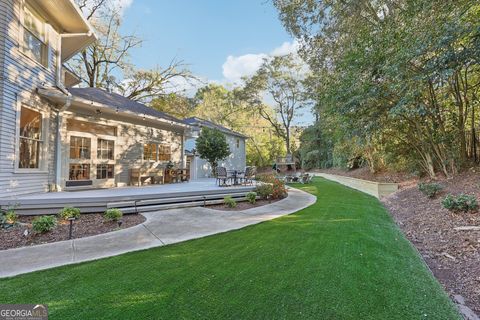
(342, 258)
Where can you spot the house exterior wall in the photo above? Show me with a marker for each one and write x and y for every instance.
(236, 161)
(19, 77)
(129, 141)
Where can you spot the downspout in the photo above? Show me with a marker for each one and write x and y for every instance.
(184, 162)
(65, 106)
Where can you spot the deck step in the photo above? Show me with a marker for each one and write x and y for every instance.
(128, 210)
(174, 203)
(130, 204)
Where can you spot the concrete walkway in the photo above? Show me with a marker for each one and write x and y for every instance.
(160, 228)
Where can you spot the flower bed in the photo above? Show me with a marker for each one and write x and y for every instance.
(86, 225)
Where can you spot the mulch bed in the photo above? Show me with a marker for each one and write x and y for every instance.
(88, 224)
(243, 205)
(453, 256)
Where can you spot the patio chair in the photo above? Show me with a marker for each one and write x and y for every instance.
(249, 175)
(137, 177)
(222, 176)
(183, 174)
(306, 178)
(158, 176)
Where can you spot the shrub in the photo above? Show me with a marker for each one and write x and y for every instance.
(44, 224)
(229, 202)
(69, 212)
(430, 189)
(462, 202)
(113, 214)
(11, 217)
(278, 189)
(251, 197)
(264, 190)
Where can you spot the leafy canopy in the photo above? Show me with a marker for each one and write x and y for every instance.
(212, 146)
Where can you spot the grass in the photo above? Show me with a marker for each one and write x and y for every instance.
(342, 258)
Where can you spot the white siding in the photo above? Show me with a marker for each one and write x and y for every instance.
(128, 146)
(236, 161)
(19, 78)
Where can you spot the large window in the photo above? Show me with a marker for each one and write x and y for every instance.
(105, 171)
(31, 142)
(150, 151)
(154, 152)
(164, 152)
(105, 149)
(79, 172)
(34, 38)
(79, 147)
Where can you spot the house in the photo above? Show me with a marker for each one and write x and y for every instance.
(53, 138)
(200, 168)
(104, 135)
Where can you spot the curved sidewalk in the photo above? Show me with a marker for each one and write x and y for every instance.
(160, 228)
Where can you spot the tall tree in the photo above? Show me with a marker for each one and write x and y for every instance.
(281, 78)
(145, 85)
(399, 77)
(218, 104)
(97, 63)
(175, 104)
(105, 64)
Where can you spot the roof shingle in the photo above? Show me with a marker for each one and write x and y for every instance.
(202, 122)
(115, 101)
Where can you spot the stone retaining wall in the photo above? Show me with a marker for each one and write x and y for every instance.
(376, 189)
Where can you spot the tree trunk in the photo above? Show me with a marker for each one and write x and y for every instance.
(461, 120)
(473, 137)
(287, 140)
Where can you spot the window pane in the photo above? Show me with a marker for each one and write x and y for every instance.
(30, 138)
(35, 47)
(164, 152)
(150, 151)
(110, 169)
(29, 154)
(34, 24)
(79, 172)
(30, 124)
(105, 149)
(105, 171)
(79, 147)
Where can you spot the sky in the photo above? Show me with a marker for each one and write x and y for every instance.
(220, 40)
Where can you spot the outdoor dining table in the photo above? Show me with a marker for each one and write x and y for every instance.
(235, 176)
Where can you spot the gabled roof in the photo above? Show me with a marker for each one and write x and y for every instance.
(194, 121)
(120, 103)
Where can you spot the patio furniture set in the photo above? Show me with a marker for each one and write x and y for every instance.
(235, 177)
(298, 177)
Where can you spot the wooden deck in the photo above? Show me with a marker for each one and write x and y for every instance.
(129, 199)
